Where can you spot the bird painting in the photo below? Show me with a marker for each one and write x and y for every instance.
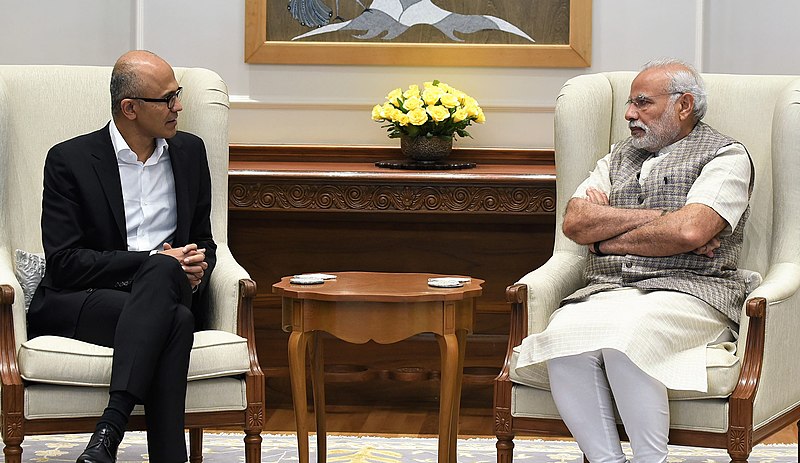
(391, 18)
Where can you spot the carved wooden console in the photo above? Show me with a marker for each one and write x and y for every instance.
(297, 209)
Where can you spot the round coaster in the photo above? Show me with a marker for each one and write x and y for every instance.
(318, 276)
(445, 282)
(301, 280)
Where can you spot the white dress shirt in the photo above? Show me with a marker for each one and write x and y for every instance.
(148, 193)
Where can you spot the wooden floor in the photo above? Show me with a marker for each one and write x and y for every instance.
(385, 421)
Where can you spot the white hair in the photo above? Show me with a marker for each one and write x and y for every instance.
(686, 80)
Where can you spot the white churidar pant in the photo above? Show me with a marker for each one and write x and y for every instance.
(585, 388)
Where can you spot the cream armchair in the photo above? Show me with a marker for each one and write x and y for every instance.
(754, 391)
(55, 385)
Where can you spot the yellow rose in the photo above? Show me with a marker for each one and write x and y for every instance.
(394, 96)
(413, 90)
(397, 115)
(428, 85)
(438, 113)
(460, 114)
(445, 87)
(481, 118)
(460, 95)
(431, 95)
(449, 100)
(386, 110)
(472, 109)
(417, 116)
(412, 103)
(402, 118)
(376, 113)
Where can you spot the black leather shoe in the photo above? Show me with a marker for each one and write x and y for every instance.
(102, 446)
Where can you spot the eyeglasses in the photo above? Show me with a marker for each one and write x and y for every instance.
(169, 100)
(642, 102)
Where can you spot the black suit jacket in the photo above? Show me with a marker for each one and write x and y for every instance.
(83, 225)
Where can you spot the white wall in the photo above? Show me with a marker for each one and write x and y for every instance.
(331, 104)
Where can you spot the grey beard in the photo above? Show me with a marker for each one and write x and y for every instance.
(657, 136)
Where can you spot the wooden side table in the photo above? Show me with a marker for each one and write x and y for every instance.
(383, 307)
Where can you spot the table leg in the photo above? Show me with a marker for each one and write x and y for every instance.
(448, 432)
(456, 411)
(298, 343)
(318, 388)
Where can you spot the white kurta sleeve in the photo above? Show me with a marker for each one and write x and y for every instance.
(723, 185)
(598, 179)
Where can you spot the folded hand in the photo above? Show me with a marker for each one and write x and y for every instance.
(192, 259)
(708, 248)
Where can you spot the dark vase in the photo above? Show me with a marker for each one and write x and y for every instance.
(426, 149)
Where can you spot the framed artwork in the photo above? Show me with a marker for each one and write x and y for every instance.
(499, 33)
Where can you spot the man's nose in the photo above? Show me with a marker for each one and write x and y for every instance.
(177, 106)
(631, 113)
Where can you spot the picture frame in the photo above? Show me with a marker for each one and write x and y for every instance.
(576, 53)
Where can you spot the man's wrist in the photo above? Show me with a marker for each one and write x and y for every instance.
(596, 248)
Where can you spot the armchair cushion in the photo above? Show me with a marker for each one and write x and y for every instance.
(722, 362)
(696, 415)
(64, 361)
(722, 366)
(48, 401)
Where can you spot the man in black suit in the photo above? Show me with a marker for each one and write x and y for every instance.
(126, 230)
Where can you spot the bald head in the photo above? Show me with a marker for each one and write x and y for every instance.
(131, 73)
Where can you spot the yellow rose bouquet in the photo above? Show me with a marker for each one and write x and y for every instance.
(438, 110)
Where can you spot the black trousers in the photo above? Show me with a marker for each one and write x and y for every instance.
(151, 330)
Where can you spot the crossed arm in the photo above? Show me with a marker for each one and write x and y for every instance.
(644, 232)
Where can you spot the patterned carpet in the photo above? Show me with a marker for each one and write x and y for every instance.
(228, 448)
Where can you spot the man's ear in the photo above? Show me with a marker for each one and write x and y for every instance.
(128, 109)
(686, 106)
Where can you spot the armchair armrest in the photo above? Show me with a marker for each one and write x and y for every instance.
(559, 277)
(11, 387)
(781, 284)
(770, 322)
(224, 288)
(231, 307)
(536, 295)
(12, 296)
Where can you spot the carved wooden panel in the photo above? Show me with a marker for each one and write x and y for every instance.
(13, 427)
(255, 416)
(502, 421)
(740, 440)
(257, 194)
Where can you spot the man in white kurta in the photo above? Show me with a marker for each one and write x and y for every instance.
(634, 341)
